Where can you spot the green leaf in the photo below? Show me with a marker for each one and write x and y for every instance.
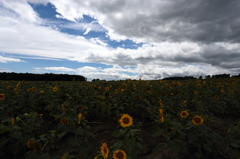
(140, 146)
(116, 146)
(3, 140)
(3, 130)
(72, 141)
(130, 142)
(158, 133)
(175, 123)
(207, 147)
(133, 155)
(192, 138)
(43, 156)
(161, 145)
(183, 149)
(166, 157)
(134, 130)
(182, 134)
(122, 131)
(216, 137)
(198, 155)
(62, 134)
(79, 131)
(235, 145)
(174, 146)
(116, 133)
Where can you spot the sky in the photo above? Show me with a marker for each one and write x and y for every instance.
(120, 39)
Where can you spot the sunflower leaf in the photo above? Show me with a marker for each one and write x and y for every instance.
(158, 133)
(116, 146)
(174, 146)
(131, 142)
(116, 133)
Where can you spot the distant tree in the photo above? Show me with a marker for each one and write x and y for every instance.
(207, 77)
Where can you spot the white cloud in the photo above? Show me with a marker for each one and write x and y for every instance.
(58, 69)
(159, 21)
(23, 9)
(174, 37)
(23, 38)
(8, 59)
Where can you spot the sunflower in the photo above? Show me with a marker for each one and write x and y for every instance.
(79, 118)
(2, 96)
(33, 89)
(126, 120)
(104, 150)
(161, 118)
(119, 154)
(116, 91)
(9, 87)
(12, 121)
(107, 88)
(184, 114)
(64, 121)
(222, 90)
(197, 120)
(54, 89)
(216, 97)
(32, 145)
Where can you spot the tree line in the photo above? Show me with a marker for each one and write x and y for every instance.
(200, 77)
(40, 77)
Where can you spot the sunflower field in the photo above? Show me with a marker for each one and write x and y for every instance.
(120, 119)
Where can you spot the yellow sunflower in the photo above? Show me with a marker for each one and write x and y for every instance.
(197, 120)
(107, 88)
(79, 118)
(161, 115)
(104, 150)
(2, 96)
(126, 120)
(54, 89)
(9, 87)
(184, 114)
(33, 89)
(119, 154)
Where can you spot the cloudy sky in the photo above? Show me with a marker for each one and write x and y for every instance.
(120, 39)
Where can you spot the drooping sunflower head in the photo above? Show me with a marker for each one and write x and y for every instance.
(184, 114)
(126, 120)
(12, 121)
(197, 120)
(2, 96)
(104, 150)
(119, 154)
